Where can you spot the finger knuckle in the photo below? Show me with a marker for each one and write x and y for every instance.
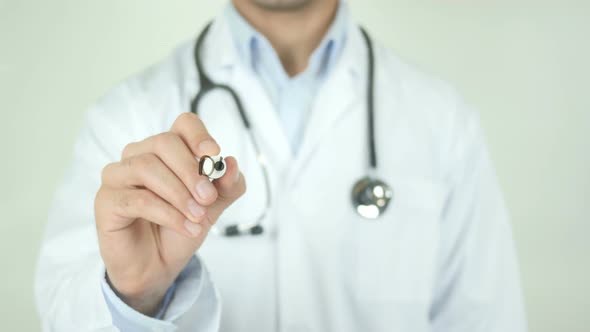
(171, 216)
(107, 172)
(124, 202)
(178, 195)
(129, 163)
(140, 200)
(128, 150)
(186, 117)
(144, 162)
(98, 198)
(190, 174)
(205, 136)
(183, 196)
(121, 203)
(163, 141)
(175, 217)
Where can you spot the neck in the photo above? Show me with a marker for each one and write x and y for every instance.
(295, 32)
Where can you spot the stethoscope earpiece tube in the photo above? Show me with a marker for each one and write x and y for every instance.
(370, 98)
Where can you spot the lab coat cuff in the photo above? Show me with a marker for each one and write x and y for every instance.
(179, 299)
(189, 286)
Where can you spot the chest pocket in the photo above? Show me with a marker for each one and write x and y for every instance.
(396, 254)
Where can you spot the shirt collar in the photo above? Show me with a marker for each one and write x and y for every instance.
(250, 43)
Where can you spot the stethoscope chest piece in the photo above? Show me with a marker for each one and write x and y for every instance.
(371, 197)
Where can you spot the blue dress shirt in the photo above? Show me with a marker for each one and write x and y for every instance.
(292, 97)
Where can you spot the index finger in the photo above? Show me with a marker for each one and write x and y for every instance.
(193, 132)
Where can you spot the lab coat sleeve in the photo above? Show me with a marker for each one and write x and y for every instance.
(477, 287)
(68, 284)
(190, 288)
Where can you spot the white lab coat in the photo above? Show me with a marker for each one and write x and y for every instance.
(440, 259)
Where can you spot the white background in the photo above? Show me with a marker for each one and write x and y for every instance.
(524, 65)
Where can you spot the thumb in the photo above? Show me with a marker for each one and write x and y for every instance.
(230, 187)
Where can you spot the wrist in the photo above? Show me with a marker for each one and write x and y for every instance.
(142, 298)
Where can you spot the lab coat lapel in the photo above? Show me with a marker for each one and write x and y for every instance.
(218, 49)
(342, 92)
(264, 118)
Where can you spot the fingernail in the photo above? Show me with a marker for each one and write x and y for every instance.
(195, 209)
(194, 229)
(205, 189)
(208, 147)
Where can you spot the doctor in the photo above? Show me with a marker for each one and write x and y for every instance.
(134, 242)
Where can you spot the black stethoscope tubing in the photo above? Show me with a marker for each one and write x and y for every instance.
(206, 85)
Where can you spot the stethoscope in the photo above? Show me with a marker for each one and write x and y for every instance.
(370, 196)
